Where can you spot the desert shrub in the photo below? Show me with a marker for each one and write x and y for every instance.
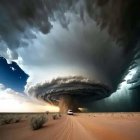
(55, 117)
(7, 119)
(16, 119)
(25, 116)
(37, 122)
(60, 115)
(47, 112)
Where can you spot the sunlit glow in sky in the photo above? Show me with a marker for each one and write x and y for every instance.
(13, 105)
(11, 101)
(129, 76)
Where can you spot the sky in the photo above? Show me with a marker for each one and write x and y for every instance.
(42, 40)
(12, 96)
(12, 76)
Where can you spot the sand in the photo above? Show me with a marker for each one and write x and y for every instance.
(91, 126)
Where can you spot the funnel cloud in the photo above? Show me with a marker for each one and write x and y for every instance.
(69, 92)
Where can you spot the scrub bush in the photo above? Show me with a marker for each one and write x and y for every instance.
(37, 122)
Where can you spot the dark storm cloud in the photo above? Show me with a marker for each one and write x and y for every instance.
(17, 17)
(20, 19)
(121, 17)
(122, 20)
(78, 87)
(135, 65)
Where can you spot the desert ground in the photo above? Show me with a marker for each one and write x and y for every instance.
(82, 126)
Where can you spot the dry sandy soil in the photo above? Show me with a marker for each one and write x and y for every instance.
(91, 126)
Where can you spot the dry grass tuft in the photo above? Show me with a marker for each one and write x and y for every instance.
(37, 122)
(8, 119)
(55, 117)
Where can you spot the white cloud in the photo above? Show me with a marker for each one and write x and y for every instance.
(11, 101)
(13, 69)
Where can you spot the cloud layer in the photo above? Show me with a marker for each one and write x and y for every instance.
(59, 38)
(80, 88)
(21, 19)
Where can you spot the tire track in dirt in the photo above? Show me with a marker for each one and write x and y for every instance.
(74, 130)
(99, 128)
(77, 127)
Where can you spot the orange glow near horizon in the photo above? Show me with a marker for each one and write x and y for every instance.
(52, 108)
(11, 104)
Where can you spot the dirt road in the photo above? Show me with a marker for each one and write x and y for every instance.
(79, 127)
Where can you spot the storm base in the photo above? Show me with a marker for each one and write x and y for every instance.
(68, 102)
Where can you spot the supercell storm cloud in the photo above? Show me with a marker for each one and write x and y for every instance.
(78, 88)
(83, 49)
